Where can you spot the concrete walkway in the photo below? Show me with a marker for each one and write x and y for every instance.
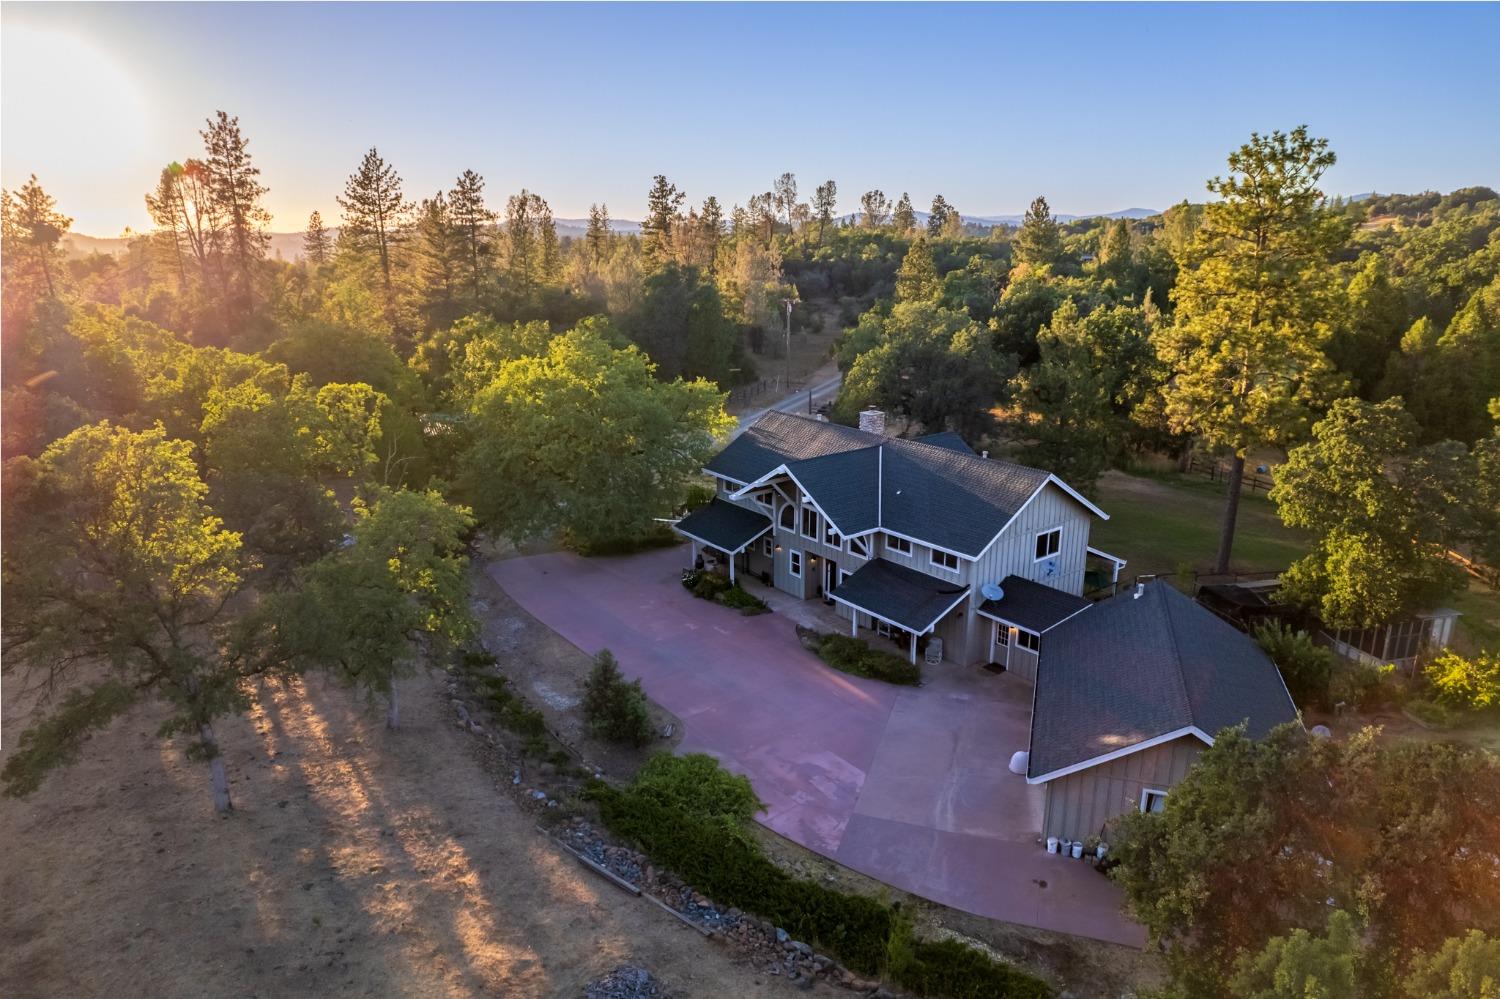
(907, 785)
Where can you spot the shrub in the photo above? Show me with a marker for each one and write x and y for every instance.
(698, 784)
(854, 656)
(1361, 684)
(614, 707)
(655, 536)
(1306, 666)
(954, 969)
(711, 586)
(1466, 967)
(1469, 683)
(742, 600)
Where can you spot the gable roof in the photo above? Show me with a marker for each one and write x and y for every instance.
(933, 492)
(1129, 672)
(723, 525)
(905, 597)
(1034, 606)
(947, 439)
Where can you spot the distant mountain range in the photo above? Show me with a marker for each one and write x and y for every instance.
(288, 245)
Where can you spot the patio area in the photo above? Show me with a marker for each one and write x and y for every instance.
(907, 785)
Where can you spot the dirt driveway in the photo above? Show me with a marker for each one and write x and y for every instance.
(909, 786)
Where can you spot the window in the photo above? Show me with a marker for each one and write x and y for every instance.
(809, 523)
(1027, 640)
(896, 544)
(860, 547)
(763, 498)
(728, 485)
(1048, 543)
(1153, 800)
(831, 537)
(944, 560)
(1002, 634)
(765, 545)
(794, 563)
(788, 516)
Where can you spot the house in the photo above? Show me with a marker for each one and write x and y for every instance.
(924, 541)
(914, 540)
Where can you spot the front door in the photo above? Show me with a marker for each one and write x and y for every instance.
(830, 575)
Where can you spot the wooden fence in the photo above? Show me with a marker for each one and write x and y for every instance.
(1218, 471)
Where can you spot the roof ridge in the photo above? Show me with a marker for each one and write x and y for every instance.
(1177, 671)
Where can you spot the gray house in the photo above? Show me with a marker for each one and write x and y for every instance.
(923, 540)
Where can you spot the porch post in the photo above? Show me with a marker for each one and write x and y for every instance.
(914, 648)
(993, 626)
(853, 623)
(731, 569)
(693, 558)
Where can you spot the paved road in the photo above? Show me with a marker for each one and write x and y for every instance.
(909, 786)
(821, 391)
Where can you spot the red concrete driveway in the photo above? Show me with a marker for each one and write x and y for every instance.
(909, 786)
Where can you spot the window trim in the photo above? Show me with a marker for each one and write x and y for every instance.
(831, 538)
(1022, 635)
(1037, 542)
(768, 547)
(817, 523)
(843, 575)
(895, 543)
(782, 516)
(863, 542)
(1002, 635)
(770, 498)
(1147, 792)
(794, 563)
(932, 559)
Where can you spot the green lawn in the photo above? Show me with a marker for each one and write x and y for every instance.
(1479, 628)
(1161, 523)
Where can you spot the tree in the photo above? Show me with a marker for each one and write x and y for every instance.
(369, 611)
(1115, 255)
(1376, 319)
(784, 193)
(1302, 966)
(1039, 241)
(904, 221)
(119, 562)
(614, 707)
(375, 211)
(1465, 967)
(586, 440)
(1381, 511)
(938, 219)
(473, 219)
(663, 202)
(598, 235)
(1449, 379)
(316, 246)
(32, 234)
(917, 280)
(188, 221)
(235, 188)
(875, 209)
(1253, 301)
(825, 203)
(1468, 682)
(441, 253)
(532, 254)
(679, 320)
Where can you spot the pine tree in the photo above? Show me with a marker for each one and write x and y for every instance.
(315, 242)
(33, 230)
(375, 213)
(663, 202)
(917, 280)
(441, 251)
(474, 220)
(937, 219)
(1114, 249)
(234, 187)
(598, 235)
(784, 195)
(1039, 242)
(711, 221)
(905, 219)
(825, 202)
(875, 209)
(167, 210)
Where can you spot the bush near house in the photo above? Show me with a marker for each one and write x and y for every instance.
(712, 586)
(614, 707)
(854, 656)
(1468, 682)
(689, 815)
(1306, 666)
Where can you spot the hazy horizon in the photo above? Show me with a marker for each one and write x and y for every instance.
(1100, 108)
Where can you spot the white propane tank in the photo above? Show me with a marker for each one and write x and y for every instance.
(1051, 844)
(1019, 761)
(1077, 851)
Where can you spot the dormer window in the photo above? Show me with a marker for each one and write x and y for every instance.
(831, 537)
(899, 545)
(763, 498)
(1048, 543)
(944, 560)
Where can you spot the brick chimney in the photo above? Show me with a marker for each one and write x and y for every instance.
(872, 421)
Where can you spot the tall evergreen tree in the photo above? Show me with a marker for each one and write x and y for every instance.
(905, 219)
(316, 245)
(1245, 352)
(375, 212)
(825, 202)
(1114, 250)
(33, 231)
(937, 219)
(441, 251)
(598, 234)
(236, 191)
(917, 280)
(784, 193)
(663, 202)
(474, 220)
(1039, 241)
(875, 209)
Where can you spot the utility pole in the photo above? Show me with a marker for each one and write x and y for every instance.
(788, 302)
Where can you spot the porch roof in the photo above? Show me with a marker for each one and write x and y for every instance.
(722, 525)
(1034, 606)
(898, 595)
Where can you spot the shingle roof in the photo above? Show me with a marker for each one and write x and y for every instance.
(947, 439)
(936, 493)
(909, 598)
(1033, 606)
(722, 525)
(1128, 670)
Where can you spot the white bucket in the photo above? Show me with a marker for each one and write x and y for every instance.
(1077, 851)
(1100, 851)
(1051, 844)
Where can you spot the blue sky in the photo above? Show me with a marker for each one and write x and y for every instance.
(1099, 107)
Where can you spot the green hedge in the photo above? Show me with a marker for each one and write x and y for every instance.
(711, 586)
(854, 656)
(688, 815)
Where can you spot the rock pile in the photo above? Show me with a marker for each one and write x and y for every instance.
(626, 982)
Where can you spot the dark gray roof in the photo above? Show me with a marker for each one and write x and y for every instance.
(722, 525)
(947, 439)
(909, 598)
(938, 494)
(1033, 606)
(1127, 670)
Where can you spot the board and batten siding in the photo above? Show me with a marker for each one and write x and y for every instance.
(1079, 804)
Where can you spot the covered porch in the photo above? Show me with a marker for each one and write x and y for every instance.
(898, 602)
(720, 531)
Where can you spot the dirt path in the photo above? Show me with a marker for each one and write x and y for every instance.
(359, 862)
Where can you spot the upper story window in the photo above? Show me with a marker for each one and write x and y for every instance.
(944, 560)
(763, 498)
(809, 523)
(788, 516)
(1048, 543)
(899, 545)
(860, 547)
(728, 485)
(830, 536)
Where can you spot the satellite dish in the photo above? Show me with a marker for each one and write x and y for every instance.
(992, 591)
